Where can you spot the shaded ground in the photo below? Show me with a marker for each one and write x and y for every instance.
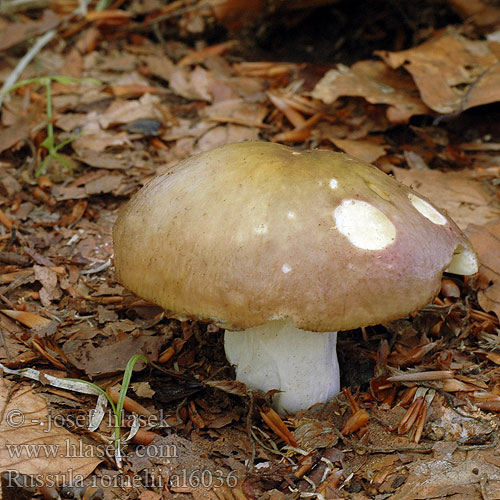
(344, 32)
(169, 82)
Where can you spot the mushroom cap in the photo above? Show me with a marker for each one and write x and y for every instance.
(254, 231)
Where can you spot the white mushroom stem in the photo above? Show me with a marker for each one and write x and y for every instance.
(302, 365)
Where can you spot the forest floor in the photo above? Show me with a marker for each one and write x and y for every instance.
(112, 97)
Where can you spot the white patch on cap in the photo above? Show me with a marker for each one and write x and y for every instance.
(464, 262)
(291, 215)
(260, 229)
(333, 183)
(286, 268)
(427, 210)
(364, 225)
(296, 152)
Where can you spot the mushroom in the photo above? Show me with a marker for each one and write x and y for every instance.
(282, 249)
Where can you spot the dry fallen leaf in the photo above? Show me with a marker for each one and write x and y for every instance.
(88, 358)
(467, 200)
(10, 136)
(444, 64)
(479, 12)
(165, 98)
(237, 111)
(18, 32)
(378, 84)
(485, 90)
(486, 242)
(50, 289)
(196, 84)
(454, 475)
(143, 389)
(123, 111)
(178, 458)
(312, 434)
(104, 184)
(94, 138)
(31, 320)
(30, 443)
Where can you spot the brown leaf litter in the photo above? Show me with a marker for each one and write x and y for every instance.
(421, 417)
(43, 448)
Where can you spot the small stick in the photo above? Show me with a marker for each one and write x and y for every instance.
(420, 376)
(26, 59)
(129, 404)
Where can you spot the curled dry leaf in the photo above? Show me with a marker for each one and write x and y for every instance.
(196, 84)
(376, 83)
(121, 111)
(411, 356)
(444, 64)
(355, 422)
(382, 389)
